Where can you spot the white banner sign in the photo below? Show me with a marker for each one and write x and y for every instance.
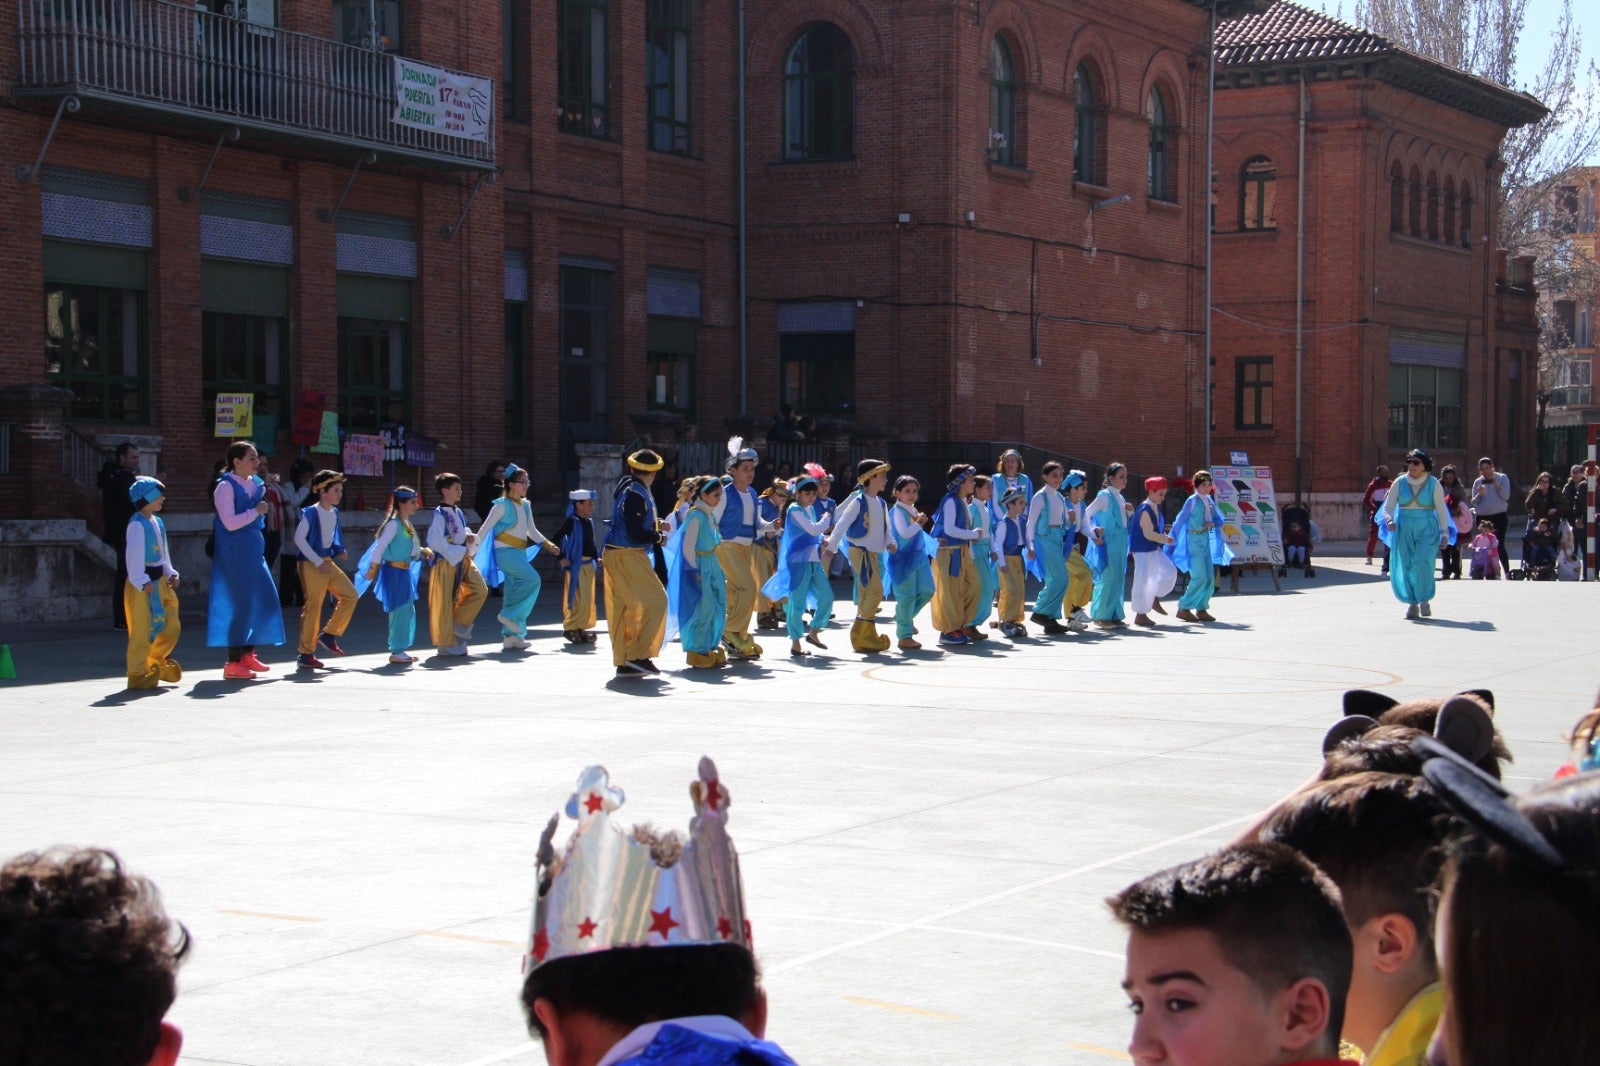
(1249, 510)
(431, 98)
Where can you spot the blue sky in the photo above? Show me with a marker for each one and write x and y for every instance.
(1537, 33)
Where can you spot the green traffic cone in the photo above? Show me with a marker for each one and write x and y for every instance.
(8, 669)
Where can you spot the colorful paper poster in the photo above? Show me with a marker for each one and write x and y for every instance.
(328, 434)
(308, 411)
(234, 412)
(432, 98)
(363, 455)
(1249, 510)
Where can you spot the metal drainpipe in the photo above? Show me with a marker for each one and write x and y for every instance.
(1300, 296)
(1211, 122)
(744, 302)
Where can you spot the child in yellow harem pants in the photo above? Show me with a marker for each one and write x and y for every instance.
(149, 596)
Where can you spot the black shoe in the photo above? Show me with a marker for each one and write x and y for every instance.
(644, 666)
(629, 670)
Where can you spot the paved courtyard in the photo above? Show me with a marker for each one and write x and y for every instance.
(926, 840)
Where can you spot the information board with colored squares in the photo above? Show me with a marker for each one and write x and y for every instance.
(1249, 510)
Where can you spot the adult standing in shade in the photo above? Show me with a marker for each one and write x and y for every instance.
(1491, 499)
(1575, 508)
(244, 610)
(116, 478)
(1372, 503)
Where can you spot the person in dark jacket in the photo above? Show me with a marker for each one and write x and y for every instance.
(116, 478)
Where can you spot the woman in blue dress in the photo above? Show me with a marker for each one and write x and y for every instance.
(697, 588)
(244, 611)
(1108, 549)
(1415, 525)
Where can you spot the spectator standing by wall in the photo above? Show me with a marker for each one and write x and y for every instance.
(1575, 502)
(1543, 504)
(116, 478)
(1491, 499)
(1371, 501)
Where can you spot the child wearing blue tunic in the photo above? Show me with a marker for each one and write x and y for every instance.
(149, 596)
(697, 590)
(243, 611)
(1009, 544)
(1198, 548)
(983, 548)
(1080, 579)
(1416, 524)
(774, 502)
(1047, 552)
(392, 568)
(1108, 549)
(909, 568)
(802, 576)
(1008, 477)
(508, 540)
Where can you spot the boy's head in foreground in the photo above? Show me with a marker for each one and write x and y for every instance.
(1380, 838)
(88, 963)
(1241, 958)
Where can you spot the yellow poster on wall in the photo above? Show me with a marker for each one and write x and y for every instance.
(235, 414)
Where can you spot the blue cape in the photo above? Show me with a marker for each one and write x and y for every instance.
(1178, 550)
(493, 576)
(678, 1045)
(572, 551)
(1095, 555)
(683, 590)
(794, 546)
(391, 591)
(910, 554)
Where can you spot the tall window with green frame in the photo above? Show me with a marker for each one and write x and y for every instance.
(1002, 105)
(374, 374)
(1424, 406)
(584, 36)
(96, 345)
(819, 94)
(1088, 141)
(1162, 183)
(246, 353)
(668, 29)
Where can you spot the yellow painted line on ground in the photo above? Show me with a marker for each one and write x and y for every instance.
(442, 935)
(1096, 1049)
(269, 914)
(902, 1008)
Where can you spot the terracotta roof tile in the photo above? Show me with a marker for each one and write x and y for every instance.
(1288, 33)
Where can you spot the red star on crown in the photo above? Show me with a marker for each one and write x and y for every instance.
(713, 793)
(593, 802)
(586, 929)
(661, 922)
(724, 927)
(541, 945)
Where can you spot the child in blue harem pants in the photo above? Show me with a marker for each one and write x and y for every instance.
(1198, 548)
(910, 566)
(1108, 549)
(697, 586)
(391, 567)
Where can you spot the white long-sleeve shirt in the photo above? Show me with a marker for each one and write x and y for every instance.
(904, 520)
(797, 516)
(523, 526)
(447, 534)
(751, 516)
(876, 538)
(326, 518)
(222, 500)
(1048, 508)
(1391, 502)
(1102, 501)
(949, 515)
(386, 534)
(134, 555)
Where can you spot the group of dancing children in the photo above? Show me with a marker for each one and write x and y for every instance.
(725, 556)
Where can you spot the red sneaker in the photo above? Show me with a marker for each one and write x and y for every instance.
(252, 663)
(237, 672)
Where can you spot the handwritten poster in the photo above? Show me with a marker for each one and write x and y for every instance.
(308, 411)
(328, 433)
(234, 413)
(363, 455)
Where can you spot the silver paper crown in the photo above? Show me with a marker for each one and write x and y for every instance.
(738, 453)
(608, 888)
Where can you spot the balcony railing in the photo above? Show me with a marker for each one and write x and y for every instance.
(189, 62)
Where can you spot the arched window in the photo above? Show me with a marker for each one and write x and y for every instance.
(668, 26)
(1258, 182)
(1449, 230)
(1466, 215)
(1088, 141)
(1433, 206)
(1397, 199)
(1414, 203)
(819, 94)
(1160, 170)
(1002, 146)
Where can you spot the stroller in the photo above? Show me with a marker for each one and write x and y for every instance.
(1300, 534)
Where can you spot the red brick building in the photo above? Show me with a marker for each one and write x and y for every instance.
(1413, 330)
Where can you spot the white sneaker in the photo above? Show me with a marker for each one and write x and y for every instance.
(1077, 624)
(513, 644)
(1080, 615)
(1412, 612)
(463, 633)
(400, 658)
(454, 650)
(1427, 608)
(508, 623)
